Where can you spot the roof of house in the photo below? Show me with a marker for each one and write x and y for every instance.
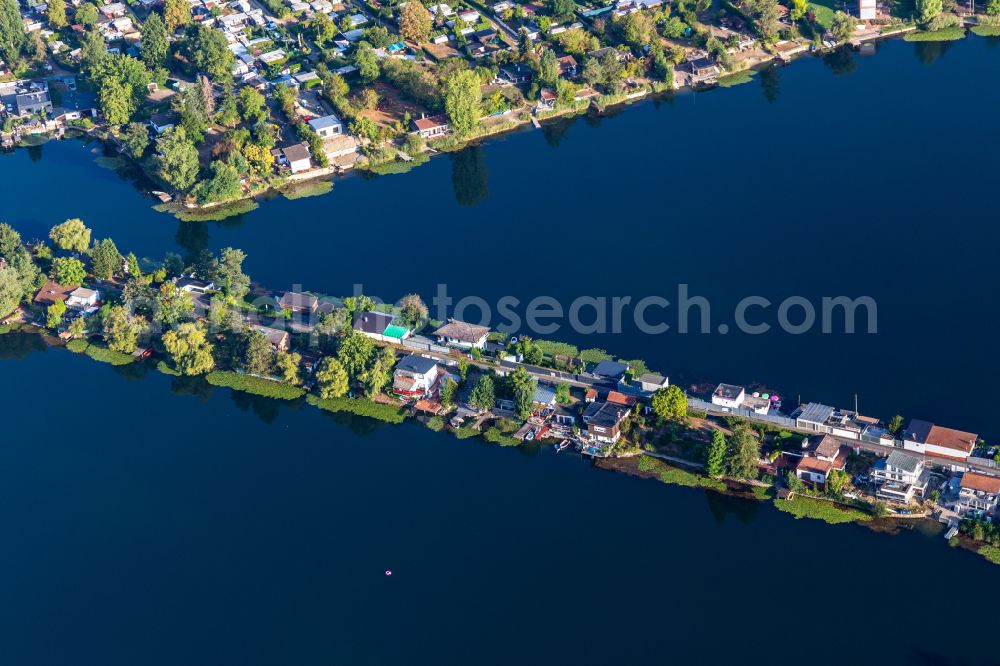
(815, 412)
(981, 483)
(617, 398)
(728, 391)
(373, 322)
(83, 293)
(605, 414)
(653, 378)
(952, 439)
(544, 395)
(460, 330)
(293, 299)
(323, 122)
(610, 369)
(817, 465)
(416, 364)
(826, 446)
(275, 336)
(903, 461)
(52, 292)
(296, 153)
(431, 122)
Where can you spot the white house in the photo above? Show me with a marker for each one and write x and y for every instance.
(415, 377)
(900, 477)
(297, 157)
(820, 456)
(460, 334)
(380, 326)
(978, 494)
(82, 298)
(327, 126)
(925, 437)
(728, 396)
(194, 286)
(867, 10)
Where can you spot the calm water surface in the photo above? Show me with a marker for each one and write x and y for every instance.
(170, 523)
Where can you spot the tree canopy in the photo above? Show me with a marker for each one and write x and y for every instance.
(462, 100)
(71, 235)
(190, 349)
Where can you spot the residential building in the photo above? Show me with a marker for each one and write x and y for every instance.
(82, 298)
(933, 440)
(297, 157)
(978, 494)
(613, 370)
(431, 127)
(728, 396)
(568, 67)
(280, 339)
(193, 286)
(415, 377)
(516, 74)
(380, 326)
(52, 292)
(820, 455)
(461, 334)
(604, 420)
(299, 303)
(643, 386)
(900, 477)
(161, 122)
(327, 126)
(868, 10)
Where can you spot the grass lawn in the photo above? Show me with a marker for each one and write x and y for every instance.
(77, 346)
(807, 507)
(986, 30)
(166, 369)
(105, 355)
(494, 436)
(823, 10)
(992, 553)
(946, 35)
(730, 80)
(360, 407)
(255, 385)
(677, 476)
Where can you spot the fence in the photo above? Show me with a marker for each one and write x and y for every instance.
(558, 375)
(426, 346)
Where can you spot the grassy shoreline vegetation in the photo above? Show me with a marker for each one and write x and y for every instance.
(266, 388)
(801, 506)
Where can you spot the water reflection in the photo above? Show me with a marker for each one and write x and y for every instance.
(841, 61)
(555, 132)
(19, 345)
(930, 52)
(266, 409)
(469, 176)
(745, 511)
(133, 371)
(194, 386)
(35, 153)
(770, 83)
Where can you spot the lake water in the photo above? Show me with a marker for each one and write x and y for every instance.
(853, 176)
(152, 521)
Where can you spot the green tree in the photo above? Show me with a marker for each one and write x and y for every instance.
(412, 311)
(222, 186)
(798, 9)
(71, 236)
(483, 395)
(176, 159)
(331, 379)
(122, 84)
(447, 391)
(670, 403)
(93, 50)
(54, 314)
(122, 330)
(895, 424)
(87, 14)
(258, 356)
(562, 393)
(522, 386)
(744, 452)
(716, 458)
(57, 14)
(105, 260)
(229, 273)
(10, 290)
(287, 365)
(172, 304)
(10, 241)
(12, 36)
(366, 62)
(462, 100)
(175, 14)
(843, 27)
(77, 328)
(207, 50)
(379, 372)
(155, 43)
(68, 271)
(355, 353)
(323, 28)
(415, 22)
(993, 7)
(135, 138)
(928, 9)
(548, 68)
(190, 349)
(253, 106)
(836, 481)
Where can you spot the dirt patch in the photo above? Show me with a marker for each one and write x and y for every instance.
(392, 107)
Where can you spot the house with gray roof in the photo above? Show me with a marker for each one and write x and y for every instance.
(900, 477)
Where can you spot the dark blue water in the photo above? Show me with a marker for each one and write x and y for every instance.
(848, 176)
(149, 521)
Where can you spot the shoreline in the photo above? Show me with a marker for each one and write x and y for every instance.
(318, 178)
(643, 465)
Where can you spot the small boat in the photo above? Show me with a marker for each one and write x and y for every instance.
(561, 446)
(530, 436)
